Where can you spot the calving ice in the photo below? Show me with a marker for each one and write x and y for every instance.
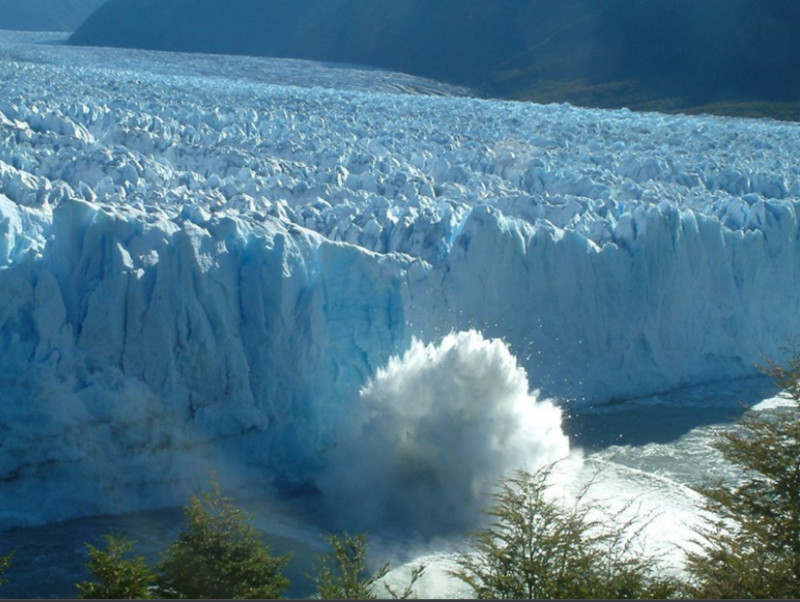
(432, 431)
(201, 271)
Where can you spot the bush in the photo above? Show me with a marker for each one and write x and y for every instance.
(538, 548)
(117, 577)
(750, 547)
(220, 554)
(5, 562)
(342, 573)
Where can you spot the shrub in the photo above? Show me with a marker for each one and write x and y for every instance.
(538, 548)
(342, 573)
(220, 554)
(117, 577)
(750, 547)
(5, 562)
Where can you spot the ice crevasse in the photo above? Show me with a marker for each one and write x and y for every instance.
(195, 275)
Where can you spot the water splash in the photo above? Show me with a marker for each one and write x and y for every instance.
(434, 430)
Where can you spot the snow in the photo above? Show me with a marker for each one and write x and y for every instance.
(204, 261)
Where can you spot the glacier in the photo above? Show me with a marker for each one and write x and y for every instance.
(208, 264)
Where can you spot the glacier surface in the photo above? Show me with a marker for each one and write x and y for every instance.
(207, 264)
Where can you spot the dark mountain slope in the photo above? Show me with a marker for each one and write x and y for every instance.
(454, 40)
(699, 50)
(638, 53)
(45, 15)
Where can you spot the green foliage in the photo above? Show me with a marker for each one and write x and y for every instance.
(750, 548)
(538, 548)
(220, 554)
(5, 562)
(342, 573)
(784, 111)
(117, 577)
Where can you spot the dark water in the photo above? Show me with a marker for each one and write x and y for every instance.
(664, 418)
(50, 559)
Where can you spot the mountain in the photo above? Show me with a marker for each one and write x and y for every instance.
(453, 40)
(45, 15)
(679, 52)
(638, 53)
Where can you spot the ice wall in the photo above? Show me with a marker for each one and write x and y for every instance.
(678, 298)
(199, 272)
(141, 355)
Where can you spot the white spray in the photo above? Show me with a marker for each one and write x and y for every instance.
(434, 430)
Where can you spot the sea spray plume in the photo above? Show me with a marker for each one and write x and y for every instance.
(437, 428)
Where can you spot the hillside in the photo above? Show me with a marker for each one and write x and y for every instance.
(454, 40)
(674, 54)
(45, 15)
(659, 54)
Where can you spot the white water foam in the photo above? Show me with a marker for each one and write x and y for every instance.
(437, 427)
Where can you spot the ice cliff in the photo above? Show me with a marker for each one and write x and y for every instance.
(205, 271)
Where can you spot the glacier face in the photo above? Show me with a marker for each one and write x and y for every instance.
(205, 270)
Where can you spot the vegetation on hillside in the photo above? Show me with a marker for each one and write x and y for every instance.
(738, 55)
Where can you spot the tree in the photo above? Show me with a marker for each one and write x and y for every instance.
(750, 545)
(342, 573)
(117, 577)
(5, 562)
(538, 547)
(220, 554)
